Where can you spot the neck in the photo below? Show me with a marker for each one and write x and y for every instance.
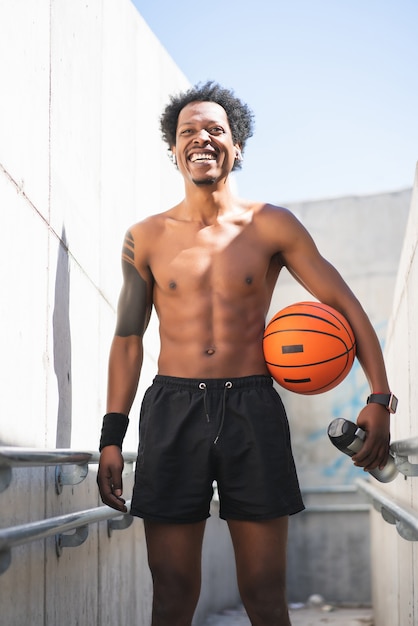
(208, 200)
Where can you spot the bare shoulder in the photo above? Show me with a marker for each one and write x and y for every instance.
(277, 223)
(271, 212)
(141, 238)
(149, 226)
(145, 233)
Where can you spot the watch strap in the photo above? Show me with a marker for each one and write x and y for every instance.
(388, 400)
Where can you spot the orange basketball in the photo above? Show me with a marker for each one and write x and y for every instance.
(309, 347)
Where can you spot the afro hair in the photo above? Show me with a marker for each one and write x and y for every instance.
(240, 117)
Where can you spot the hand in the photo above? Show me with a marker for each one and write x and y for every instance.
(374, 419)
(109, 478)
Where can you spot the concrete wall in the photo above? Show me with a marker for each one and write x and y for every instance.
(82, 87)
(395, 568)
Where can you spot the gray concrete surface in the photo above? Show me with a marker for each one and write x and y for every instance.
(303, 616)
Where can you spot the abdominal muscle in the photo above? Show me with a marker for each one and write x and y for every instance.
(204, 338)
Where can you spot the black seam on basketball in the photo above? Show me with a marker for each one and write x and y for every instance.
(327, 385)
(309, 330)
(318, 305)
(316, 317)
(348, 329)
(317, 389)
(338, 356)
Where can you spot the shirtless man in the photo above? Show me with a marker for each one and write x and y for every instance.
(209, 266)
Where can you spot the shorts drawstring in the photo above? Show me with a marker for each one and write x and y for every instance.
(203, 387)
(228, 385)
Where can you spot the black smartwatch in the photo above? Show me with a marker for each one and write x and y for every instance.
(389, 400)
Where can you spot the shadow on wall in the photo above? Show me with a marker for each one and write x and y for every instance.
(62, 345)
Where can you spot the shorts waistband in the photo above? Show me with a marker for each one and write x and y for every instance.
(249, 382)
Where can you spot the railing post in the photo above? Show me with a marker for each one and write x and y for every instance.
(401, 451)
(5, 477)
(69, 475)
(405, 520)
(119, 523)
(71, 540)
(5, 559)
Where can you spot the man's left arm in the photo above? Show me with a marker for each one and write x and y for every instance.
(324, 282)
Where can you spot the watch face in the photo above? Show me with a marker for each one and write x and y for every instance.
(393, 403)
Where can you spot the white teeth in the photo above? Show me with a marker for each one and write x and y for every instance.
(202, 156)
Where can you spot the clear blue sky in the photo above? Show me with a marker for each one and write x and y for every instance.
(333, 85)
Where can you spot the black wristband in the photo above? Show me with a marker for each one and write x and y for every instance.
(113, 430)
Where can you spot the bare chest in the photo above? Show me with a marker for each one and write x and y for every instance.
(227, 258)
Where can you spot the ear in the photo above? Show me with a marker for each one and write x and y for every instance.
(238, 153)
(173, 155)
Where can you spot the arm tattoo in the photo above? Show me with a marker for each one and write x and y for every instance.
(133, 306)
(128, 250)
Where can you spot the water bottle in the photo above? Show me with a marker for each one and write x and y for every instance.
(349, 438)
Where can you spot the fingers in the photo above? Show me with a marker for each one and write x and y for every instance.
(116, 503)
(372, 457)
(109, 479)
(110, 494)
(374, 420)
(374, 452)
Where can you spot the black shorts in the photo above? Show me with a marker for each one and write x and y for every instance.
(232, 431)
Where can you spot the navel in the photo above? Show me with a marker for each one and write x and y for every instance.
(210, 351)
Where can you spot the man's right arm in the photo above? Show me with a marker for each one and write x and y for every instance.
(125, 362)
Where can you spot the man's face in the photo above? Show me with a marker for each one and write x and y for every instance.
(204, 149)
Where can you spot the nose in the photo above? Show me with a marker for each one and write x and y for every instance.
(203, 136)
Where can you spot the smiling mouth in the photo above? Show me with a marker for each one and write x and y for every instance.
(202, 157)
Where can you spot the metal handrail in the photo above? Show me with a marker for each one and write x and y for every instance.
(71, 465)
(32, 457)
(404, 447)
(80, 520)
(401, 451)
(405, 520)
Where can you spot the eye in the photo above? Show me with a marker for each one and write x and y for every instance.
(216, 130)
(186, 131)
